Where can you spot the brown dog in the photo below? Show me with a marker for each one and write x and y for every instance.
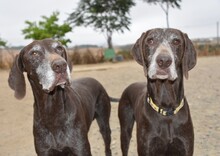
(159, 107)
(63, 109)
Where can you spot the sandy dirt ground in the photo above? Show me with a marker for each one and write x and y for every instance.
(202, 91)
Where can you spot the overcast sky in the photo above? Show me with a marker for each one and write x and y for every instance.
(197, 18)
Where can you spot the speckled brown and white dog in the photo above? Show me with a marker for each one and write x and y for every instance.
(159, 107)
(63, 109)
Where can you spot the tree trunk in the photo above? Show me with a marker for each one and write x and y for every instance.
(166, 10)
(109, 40)
(167, 14)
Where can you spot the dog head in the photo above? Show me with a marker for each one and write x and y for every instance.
(163, 51)
(45, 62)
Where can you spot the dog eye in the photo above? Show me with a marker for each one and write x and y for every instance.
(176, 42)
(150, 41)
(59, 48)
(35, 53)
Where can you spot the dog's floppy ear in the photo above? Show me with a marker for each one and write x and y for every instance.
(70, 64)
(138, 50)
(16, 78)
(66, 57)
(189, 56)
(65, 53)
(68, 60)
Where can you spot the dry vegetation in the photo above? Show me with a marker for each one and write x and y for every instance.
(86, 55)
(7, 57)
(93, 55)
(208, 50)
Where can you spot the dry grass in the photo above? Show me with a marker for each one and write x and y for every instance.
(96, 55)
(86, 55)
(208, 50)
(6, 58)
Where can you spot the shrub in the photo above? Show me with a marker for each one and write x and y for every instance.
(126, 54)
(207, 50)
(6, 58)
(86, 56)
(75, 58)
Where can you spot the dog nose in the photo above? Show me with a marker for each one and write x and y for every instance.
(59, 66)
(164, 61)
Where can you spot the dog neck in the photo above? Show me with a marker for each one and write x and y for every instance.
(166, 94)
(47, 106)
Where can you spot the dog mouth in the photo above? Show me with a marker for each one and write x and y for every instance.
(61, 79)
(162, 74)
